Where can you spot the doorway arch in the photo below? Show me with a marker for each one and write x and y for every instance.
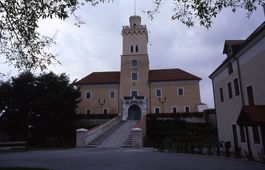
(134, 112)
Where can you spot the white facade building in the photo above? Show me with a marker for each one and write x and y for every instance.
(239, 94)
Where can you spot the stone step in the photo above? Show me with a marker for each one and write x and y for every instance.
(128, 142)
(104, 136)
(118, 138)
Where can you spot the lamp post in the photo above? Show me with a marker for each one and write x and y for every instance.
(162, 101)
(101, 103)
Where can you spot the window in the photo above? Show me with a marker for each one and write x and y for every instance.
(88, 94)
(158, 93)
(230, 68)
(230, 93)
(181, 91)
(136, 48)
(174, 109)
(131, 49)
(157, 110)
(134, 93)
(242, 134)
(187, 109)
(221, 95)
(105, 111)
(134, 62)
(134, 76)
(250, 95)
(112, 95)
(236, 85)
(88, 111)
(256, 134)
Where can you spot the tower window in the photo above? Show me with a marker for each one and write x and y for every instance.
(134, 62)
(136, 48)
(134, 76)
(134, 93)
(131, 49)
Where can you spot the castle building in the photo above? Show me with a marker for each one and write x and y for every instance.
(136, 90)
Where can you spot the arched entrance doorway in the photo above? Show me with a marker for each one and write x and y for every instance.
(134, 112)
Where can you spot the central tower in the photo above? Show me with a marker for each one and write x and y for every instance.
(134, 87)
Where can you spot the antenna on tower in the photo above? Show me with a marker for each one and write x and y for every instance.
(134, 7)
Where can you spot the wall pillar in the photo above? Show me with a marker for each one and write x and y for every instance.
(137, 138)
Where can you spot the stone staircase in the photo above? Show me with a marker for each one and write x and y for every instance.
(118, 136)
(98, 141)
(128, 142)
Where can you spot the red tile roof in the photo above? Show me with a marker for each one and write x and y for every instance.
(170, 75)
(100, 78)
(252, 115)
(154, 76)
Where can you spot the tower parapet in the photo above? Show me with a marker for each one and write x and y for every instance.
(135, 35)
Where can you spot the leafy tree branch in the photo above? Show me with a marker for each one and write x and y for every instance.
(25, 48)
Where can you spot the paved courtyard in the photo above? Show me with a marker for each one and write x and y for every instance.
(120, 159)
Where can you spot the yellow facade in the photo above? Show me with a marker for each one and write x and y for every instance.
(136, 87)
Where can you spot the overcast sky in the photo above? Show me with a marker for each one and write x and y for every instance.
(97, 45)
